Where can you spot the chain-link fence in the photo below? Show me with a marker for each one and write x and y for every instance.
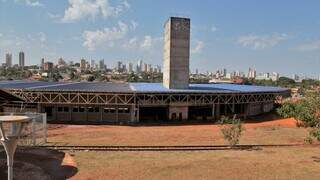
(34, 132)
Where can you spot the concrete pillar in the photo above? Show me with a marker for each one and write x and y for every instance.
(117, 114)
(138, 114)
(39, 108)
(245, 114)
(213, 111)
(132, 113)
(217, 112)
(70, 112)
(101, 113)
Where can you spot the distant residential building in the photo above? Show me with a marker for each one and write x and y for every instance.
(149, 68)
(42, 63)
(228, 76)
(140, 65)
(137, 68)
(130, 67)
(87, 66)
(21, 59)
(274, 76)
(145, 67)
(159, 68)
(93, 63)
(48, 66)
(263, 76)
(296, 77)
(119, 66)
(9, 60)
(251, 73)
(83, 63)
(61, 63)
(102, 65)
(224, 72)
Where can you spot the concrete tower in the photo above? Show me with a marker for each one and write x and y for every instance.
(176, 53)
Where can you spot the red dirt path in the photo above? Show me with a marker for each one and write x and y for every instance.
(208, 134)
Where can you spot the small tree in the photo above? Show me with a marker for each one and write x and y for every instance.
(231, 129)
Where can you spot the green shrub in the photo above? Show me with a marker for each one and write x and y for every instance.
(303, 111)
(306, 111)
(231, 129)
(287, 110)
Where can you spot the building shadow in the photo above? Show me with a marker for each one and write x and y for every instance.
(265, 117)
(37, 163)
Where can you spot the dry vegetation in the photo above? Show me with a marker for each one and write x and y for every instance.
(268, 163)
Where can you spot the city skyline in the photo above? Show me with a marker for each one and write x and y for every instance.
(226, 34)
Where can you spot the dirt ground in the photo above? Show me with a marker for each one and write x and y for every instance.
(278, 131)
(39, 164)
(298, 162)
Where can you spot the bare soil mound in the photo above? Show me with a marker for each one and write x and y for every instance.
(39, 164)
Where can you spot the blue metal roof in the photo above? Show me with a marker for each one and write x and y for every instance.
(219, 88)
(133, 87)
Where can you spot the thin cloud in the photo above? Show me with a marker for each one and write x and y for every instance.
(32, 3)
(198, 48)
(309, 46)
(213, 28)
(143, 44)
(81, 9)
(261, 41)
(106, 37)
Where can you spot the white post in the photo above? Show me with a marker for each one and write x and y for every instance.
(10, 145)
(45, 133)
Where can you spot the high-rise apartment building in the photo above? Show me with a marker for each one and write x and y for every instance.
(176, 53)
(140, 64)
(252, 73)
(21, 59)
(102, 65)
(130, 67)
(9, 60)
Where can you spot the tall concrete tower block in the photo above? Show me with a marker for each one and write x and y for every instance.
(176, 53)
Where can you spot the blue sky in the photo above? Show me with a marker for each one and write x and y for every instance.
(281, 36)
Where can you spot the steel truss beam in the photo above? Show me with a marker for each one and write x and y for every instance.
(92, 98)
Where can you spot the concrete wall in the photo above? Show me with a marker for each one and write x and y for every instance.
(83, 114)
(176, 53)
(267, 107)
(178, 112)
(258, 108)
